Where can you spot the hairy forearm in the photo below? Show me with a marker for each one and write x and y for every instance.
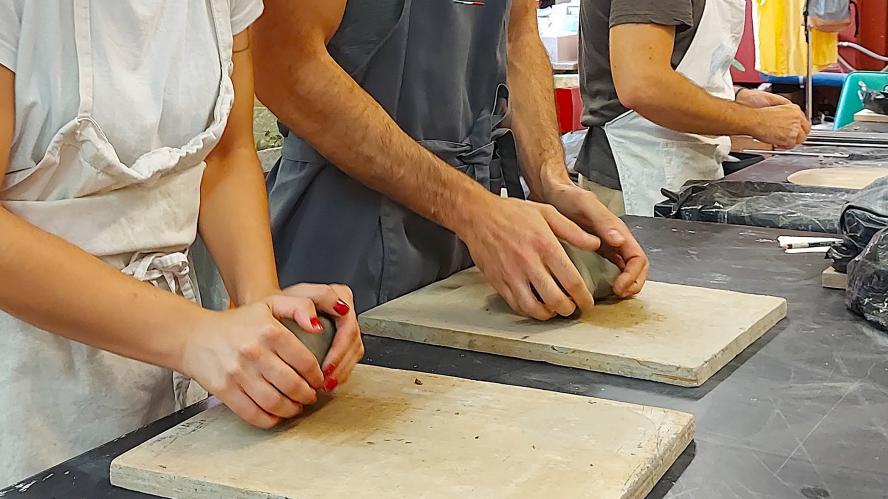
(234, 224)
(318, 101)
(676, 103)
(534, 121)
(56, 286)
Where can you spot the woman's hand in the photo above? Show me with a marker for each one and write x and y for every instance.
(254, 364)
(337, 302)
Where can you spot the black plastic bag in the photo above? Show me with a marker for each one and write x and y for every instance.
(867, 293)
(864, 215)
(760, 204)
(875, 101)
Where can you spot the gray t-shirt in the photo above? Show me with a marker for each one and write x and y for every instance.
(601, 105)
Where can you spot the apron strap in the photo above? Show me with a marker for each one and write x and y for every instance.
(83, 47)
(507, 161)
(173, 268)
(224, 36)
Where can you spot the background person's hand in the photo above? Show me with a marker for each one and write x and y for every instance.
(783, 126)
(759, 99)
(618, 243)
(516, 245)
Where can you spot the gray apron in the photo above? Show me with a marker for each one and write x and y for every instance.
(441, 74)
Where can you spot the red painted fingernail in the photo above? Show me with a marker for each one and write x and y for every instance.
(316, 323)
(329, 369)
(341, 308)
(330, 384)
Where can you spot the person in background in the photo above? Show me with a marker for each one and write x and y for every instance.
(125, 127)
(659, 101)
(399, 146)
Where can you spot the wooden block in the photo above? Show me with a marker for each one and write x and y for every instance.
(870, 117)
(833, 279)
(674, 334)
(400, 434)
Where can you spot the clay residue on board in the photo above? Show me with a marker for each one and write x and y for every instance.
(612, 313)
(621, 314)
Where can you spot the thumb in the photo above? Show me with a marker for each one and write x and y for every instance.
(606, 225)
(569, 232)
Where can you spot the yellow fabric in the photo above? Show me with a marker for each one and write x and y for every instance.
(780, 39)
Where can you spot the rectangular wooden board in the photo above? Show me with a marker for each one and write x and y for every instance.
(833, 279)
(400, 434)
(674, 334)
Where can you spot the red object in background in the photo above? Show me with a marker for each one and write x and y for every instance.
(569, 106)
(746, 53)
(872, 34)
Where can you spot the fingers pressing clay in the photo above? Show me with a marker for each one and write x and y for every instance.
(597, 271)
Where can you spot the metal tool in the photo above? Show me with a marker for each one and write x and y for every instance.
(848, 157)
(809, 76)
(876, 145)
(848, 135)
(847, 139)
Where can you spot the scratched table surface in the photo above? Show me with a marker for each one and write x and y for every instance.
(802, 413)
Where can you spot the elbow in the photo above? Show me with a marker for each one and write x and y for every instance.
(637, 95)
(642, 88)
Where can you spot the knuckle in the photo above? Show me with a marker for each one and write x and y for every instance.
(249, 353)
(549, 210)
(259, 420)
(301, 393)
(308, 397)
(574, 284)
(342, 289)
(234, 373)
(305, 362)
(275, 402)
(269, 334)
(541, 245)
(229, 381)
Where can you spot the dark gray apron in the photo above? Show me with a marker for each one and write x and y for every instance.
(441, 74)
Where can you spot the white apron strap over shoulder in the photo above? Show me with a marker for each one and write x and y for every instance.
(650, 157)
(59, 398)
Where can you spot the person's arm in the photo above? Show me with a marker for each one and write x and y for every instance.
(56, 286)
(541, 155)
(514, 243)
(234, 221)
(234, 206)
(244, 356)
(641, 63)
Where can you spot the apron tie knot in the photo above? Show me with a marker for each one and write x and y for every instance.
(173, 268)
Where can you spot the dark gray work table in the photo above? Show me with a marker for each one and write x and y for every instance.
(802, 413)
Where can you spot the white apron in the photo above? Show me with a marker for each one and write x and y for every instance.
(650, 157)
(59, 398)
